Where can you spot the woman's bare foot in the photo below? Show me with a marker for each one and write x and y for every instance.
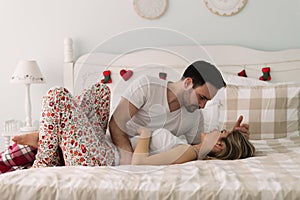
(30, 139)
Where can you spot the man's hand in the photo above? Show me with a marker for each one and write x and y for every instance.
(243, 128)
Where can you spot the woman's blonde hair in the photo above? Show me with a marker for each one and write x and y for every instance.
(237, 146)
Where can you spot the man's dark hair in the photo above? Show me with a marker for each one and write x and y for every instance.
(201, 72)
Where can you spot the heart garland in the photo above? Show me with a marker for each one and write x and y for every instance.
(126, 74)
(162, 75)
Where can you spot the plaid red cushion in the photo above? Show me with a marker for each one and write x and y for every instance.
(17, 157)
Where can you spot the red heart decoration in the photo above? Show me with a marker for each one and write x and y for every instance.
(162, 75)
(126, 74)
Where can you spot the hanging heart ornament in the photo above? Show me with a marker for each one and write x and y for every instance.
(126, 74)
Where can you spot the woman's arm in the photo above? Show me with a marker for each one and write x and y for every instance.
(178, 154)
(142, 147)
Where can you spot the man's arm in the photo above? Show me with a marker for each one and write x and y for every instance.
(117, 126)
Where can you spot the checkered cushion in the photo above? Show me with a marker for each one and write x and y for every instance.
(272, 111)
(16, 157)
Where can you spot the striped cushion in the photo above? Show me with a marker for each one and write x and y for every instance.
(272, 111)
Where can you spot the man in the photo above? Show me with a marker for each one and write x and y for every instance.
(154, 103)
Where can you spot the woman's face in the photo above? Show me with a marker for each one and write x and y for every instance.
(219, 145)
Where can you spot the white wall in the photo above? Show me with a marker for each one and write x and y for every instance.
(35, 29)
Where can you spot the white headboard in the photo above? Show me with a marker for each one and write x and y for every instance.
(284, 64)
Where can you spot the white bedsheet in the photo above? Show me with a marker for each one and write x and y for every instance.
(273, 174)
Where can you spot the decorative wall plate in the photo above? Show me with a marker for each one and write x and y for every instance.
(225, 7)
(150, 9)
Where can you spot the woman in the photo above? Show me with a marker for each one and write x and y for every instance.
(72, 132)
(225, 146)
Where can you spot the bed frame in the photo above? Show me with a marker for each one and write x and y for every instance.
(284, 64)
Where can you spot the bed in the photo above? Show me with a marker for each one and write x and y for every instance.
(274, 172)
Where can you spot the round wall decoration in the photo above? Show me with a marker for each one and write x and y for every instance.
(225, 7)
(150, 9)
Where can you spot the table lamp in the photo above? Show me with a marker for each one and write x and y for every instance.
(27, 72)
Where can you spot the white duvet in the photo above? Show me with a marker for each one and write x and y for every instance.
(273, 174)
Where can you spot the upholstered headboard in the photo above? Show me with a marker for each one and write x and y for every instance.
(284, 64)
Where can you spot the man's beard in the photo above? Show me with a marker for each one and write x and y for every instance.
(186, 103)
(191, 108)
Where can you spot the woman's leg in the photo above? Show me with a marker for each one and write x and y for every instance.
(65, 124)
(53, 108)
(95, 104)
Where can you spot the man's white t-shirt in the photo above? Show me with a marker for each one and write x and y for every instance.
(149, 95)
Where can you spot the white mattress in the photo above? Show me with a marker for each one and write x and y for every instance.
(273, 174)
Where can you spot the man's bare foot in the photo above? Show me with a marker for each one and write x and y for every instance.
(30, 139)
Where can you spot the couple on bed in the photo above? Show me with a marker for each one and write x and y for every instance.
(156, 122)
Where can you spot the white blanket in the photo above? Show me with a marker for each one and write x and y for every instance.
(273, 174)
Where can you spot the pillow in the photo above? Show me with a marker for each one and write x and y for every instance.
(211, 111)
(272, 111)
(239, 80)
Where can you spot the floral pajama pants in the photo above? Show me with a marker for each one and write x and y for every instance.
(75, 128)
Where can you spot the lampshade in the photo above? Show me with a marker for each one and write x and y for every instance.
(27, 72)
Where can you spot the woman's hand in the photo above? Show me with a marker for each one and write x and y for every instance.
(144, 132)
(243, 128)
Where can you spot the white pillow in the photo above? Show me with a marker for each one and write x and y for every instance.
(232, 79)
(211, 112)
